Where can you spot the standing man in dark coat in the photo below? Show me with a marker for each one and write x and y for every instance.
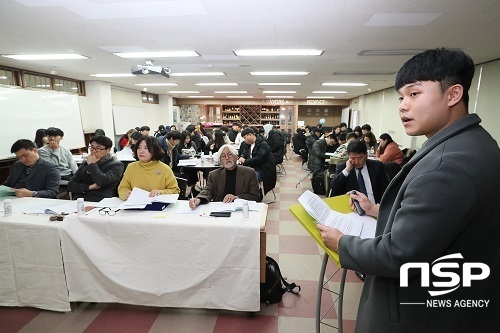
(256, 153)
(439, 214)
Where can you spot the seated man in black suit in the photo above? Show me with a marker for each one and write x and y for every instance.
(230, 182)
(373, 179)
(256, 153)
(32, 176)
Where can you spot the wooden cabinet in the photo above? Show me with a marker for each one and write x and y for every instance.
(255, 115)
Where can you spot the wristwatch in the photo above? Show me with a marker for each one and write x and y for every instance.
(35, 193)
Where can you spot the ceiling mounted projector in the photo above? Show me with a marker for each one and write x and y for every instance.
(149, 69)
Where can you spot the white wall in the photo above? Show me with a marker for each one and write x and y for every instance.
(380, 109)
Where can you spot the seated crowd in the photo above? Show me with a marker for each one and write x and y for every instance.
(247, 164)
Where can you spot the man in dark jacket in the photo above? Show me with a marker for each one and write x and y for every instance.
(32, 176)
(277, 144)
(373, 175)
(98, 177)
(317, 154)
(256, 153)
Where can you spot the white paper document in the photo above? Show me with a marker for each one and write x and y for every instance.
(65, 208)
(6, 191)
(322, 213)
(109, 202)
(187, 162)
(140, 198)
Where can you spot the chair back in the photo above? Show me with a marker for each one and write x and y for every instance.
(182, 183)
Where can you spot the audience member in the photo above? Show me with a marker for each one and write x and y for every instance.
(317, 156)
(371, 141)
(124, 139)
(343, 128)
(168, 143)
(341, 151)
(224, 130)
(358, 132)
(32, 176)
(256, 153)
(373, 179)
(366, 128)
(316, 134)
(145, 130)
(160, 131)
(299, 141)
(99, 132)
(41, 138)
(388, 150)
(233, 133)
(98, 177)
(277, 144)
(148, 173)
(230, 182)
(57, 154)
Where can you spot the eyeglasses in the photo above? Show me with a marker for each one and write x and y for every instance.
(107, 211)
(228, 155)
(97, 149)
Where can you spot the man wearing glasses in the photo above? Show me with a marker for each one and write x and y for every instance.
(99, 175)
(230, 182)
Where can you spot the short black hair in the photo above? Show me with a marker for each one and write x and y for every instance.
(99, 132)
(247, 131)
(190, 128)
(54, 131)
(357, 147)
(145, 128)
(136, 135)
(446, 66)
(102, 140)
(22, 144)
(366, 127)
(176, 135)
(343, 125)
(224, 129)
(153, 146)
(350, 135)
(342, 136)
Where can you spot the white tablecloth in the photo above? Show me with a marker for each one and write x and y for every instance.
(164, 259)
(31, 265)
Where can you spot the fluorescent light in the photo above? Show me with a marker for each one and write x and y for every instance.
(280, 84)
(216, 84)
(165, 54)
(200, 96)
(155, 84)
(345, 84)
(279, 73)
(320, 97)
(279, 96)
(329, 92)
(3, 77)
(113, 75)
(278, 92)
(239, 96)
(278, 52)
(199, 74)
(183, 92)
(400, 52)
(231, 92)
(45, 56)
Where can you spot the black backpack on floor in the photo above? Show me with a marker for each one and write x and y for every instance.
(318, 184)
(275, 286)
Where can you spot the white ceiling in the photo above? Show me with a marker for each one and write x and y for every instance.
(214, 28)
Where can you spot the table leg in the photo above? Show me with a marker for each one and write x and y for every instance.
(320, 292)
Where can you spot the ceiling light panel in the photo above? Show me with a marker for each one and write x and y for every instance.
(344, 84)
(279, 73)
(69, 56)
(199, 74)
(183, 92)
(320, 97)
(277, 52)
(280, 84)
(329, 92)
(279, 92)
(163, 54)
(231, 92)
(155, 84)
(215, 84)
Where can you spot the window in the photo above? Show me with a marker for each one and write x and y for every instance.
(150, 98)
(9, 76)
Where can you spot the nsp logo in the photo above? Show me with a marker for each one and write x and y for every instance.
(442, 270)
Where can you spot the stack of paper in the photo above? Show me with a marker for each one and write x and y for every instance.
(140, 198)
(6, 191)
(323, 214)
(187, 162)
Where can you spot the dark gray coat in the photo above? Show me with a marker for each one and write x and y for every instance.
(444, 201)
(43, 178)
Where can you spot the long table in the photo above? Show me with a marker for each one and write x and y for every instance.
(31, 263)
(137, 257)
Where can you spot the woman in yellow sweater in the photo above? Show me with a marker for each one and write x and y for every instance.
(149, 173)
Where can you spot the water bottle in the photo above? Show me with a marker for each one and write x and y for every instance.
(7, 207)
(372, 151)
(202, 155)
(210, 156)
(80, 206)
(245, 208)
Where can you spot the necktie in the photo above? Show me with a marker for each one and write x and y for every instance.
(361, 182)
